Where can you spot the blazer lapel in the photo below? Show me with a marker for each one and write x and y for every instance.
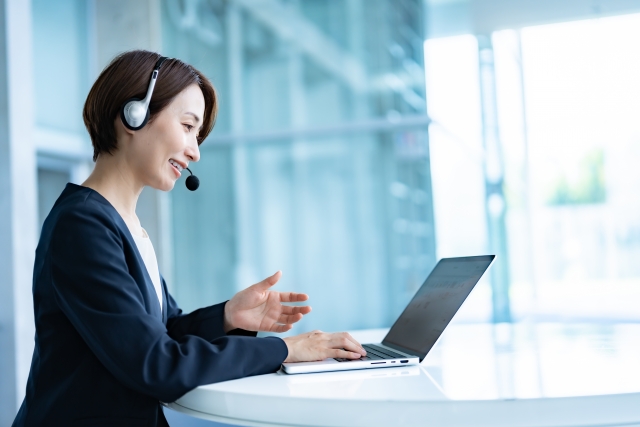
(154, 304)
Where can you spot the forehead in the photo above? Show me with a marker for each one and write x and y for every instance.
(189, 100)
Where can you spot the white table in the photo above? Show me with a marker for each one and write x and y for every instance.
(476, 375)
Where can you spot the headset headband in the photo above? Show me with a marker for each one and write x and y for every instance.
(159, 63)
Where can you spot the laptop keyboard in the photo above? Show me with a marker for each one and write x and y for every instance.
(374, 352)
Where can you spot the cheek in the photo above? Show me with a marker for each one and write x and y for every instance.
(173, 138)
(166, 141)
(151, 155)
(149, 161)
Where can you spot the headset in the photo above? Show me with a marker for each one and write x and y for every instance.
(135, 115)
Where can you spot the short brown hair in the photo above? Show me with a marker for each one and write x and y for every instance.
(127, 76)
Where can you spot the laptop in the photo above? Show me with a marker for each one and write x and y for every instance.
(420, 325)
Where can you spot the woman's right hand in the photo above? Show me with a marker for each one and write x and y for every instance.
(318, 345)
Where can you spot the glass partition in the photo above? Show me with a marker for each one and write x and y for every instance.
(61, 66)
(348, 219)
(319, 163)
(564, 118)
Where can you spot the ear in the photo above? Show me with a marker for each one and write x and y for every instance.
(121, 129)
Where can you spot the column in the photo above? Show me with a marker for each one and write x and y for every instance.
(494, 183)
(18, 204)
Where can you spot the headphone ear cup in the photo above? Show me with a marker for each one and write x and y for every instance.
(128, 115)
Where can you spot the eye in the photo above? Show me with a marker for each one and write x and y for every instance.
(188, 126)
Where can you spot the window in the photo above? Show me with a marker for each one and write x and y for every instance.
(319, 164)
(565, 111)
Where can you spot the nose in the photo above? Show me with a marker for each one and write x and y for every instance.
(192, 151)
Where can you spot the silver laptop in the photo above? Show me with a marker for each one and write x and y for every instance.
(420, 325)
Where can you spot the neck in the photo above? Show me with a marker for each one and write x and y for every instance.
(115, 181)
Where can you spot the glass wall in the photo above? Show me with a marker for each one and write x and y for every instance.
(566, 113)
(322, 159)
(319, 163)
(458, 159)
(61, 83)
(61, 66)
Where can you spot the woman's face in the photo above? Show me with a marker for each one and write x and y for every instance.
(168, 143)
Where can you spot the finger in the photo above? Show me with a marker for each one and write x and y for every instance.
(292, 297)
(353, 340)
(288, 309)
(340, 340)
(344, 354)
(289, 318)
(280, 328)
(270, 281)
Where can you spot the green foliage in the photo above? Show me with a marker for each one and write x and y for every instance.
(590, 187)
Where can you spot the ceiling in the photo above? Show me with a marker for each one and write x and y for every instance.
(451, 17)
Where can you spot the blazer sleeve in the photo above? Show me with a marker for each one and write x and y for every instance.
(207, 322)
(94, 289)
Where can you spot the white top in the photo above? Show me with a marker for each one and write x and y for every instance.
(477, 375)
(145, 247)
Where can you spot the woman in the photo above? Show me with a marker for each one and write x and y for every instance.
(111, 343)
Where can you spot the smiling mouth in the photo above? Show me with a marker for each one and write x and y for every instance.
(176, 165)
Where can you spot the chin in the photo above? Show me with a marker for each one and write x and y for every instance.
(168, 187)
(164, 186)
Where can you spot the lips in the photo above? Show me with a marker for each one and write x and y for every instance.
(177, 165)
(177, 168)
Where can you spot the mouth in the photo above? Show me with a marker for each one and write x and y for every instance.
(177, 167)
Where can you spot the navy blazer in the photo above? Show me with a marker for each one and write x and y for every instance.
(104, 354)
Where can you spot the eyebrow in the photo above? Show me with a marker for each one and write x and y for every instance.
(195, 116)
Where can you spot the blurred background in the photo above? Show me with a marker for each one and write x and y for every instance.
(358, 142)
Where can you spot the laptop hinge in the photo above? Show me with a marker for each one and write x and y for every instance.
(400, 350)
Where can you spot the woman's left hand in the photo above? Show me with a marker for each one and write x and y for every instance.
(259, 309)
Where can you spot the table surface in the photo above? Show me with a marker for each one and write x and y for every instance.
(476, 375)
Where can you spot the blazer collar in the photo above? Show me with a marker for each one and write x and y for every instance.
(155, 308)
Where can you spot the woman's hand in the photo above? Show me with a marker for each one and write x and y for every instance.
(318, 345)
(259, 309)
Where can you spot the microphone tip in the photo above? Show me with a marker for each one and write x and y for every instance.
(192, 182)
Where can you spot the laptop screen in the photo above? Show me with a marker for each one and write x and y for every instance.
(436, 302)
